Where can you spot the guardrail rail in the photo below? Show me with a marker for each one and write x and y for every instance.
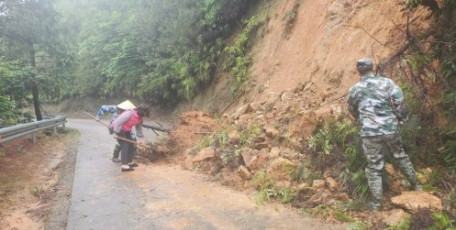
(13, 132)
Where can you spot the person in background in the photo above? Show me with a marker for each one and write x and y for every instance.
(122, 127)
(114, 110)
(377, 103)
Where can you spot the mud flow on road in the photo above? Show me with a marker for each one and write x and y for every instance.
(160, 196)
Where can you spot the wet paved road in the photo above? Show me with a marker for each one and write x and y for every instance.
(159, 196)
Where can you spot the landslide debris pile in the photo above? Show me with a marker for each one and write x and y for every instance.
(193, 123)
(264, 147)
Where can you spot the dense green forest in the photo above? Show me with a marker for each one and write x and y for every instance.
(157, 51)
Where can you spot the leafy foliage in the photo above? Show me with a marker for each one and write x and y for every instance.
(238, 59)
(248, 135)
(31, 51)
(441, 56)
(160, 51)
(330, 142)
(337, 145)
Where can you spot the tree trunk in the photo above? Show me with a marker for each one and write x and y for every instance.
(36, 101)
(34, 86)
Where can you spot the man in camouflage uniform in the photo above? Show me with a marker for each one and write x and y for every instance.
(378, 105)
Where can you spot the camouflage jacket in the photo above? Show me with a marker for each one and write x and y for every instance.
(112, 109)
(378, 104)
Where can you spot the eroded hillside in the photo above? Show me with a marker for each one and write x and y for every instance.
(317, 43)
(285, 132)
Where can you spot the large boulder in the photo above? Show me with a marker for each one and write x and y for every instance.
(279, 169)
(415, 200)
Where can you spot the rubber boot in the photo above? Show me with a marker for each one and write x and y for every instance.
(408, 170)
(116, 153)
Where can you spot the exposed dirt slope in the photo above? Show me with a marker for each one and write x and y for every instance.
(320, 46)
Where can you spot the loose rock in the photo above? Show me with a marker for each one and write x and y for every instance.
(275, 153)
(262, 145)
(248, 154)
(258, 161)
(390, 169)
(318, 184)
(234, 137)
(395, 217)
(270, 131)
(244, 173)
(204, 154)
(243, 110)
(415, 200)
(332, 183)
(279, 168)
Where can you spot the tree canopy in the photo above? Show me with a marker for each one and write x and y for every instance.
(160, 51)
(157, 51)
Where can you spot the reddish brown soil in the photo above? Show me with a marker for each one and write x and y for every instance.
(28, 179)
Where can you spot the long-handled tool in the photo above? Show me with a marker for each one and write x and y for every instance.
(116, 137)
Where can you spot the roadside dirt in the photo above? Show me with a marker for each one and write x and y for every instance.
(31, 181)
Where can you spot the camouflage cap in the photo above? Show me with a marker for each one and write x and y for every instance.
(364, 64)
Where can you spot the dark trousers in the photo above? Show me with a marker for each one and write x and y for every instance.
(126, 148)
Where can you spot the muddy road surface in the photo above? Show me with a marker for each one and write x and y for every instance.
(160, 196)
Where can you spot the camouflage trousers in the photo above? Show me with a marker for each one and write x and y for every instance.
(372, 147)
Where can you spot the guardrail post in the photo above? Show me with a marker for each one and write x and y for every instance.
(55, 130)
(34, 138)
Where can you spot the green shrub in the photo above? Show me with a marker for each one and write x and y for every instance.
(247, 136)
(342, 216)
(441, 222)
(261, 181)
(357, 226)
(264, 195)
(238, 59)
(286, 195)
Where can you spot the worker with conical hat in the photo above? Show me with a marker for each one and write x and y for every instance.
(123, 126)
(126, 105)
(115, 111)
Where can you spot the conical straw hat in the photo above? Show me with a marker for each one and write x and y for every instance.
(126, 105)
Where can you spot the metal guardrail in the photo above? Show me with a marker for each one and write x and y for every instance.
(13, 132)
